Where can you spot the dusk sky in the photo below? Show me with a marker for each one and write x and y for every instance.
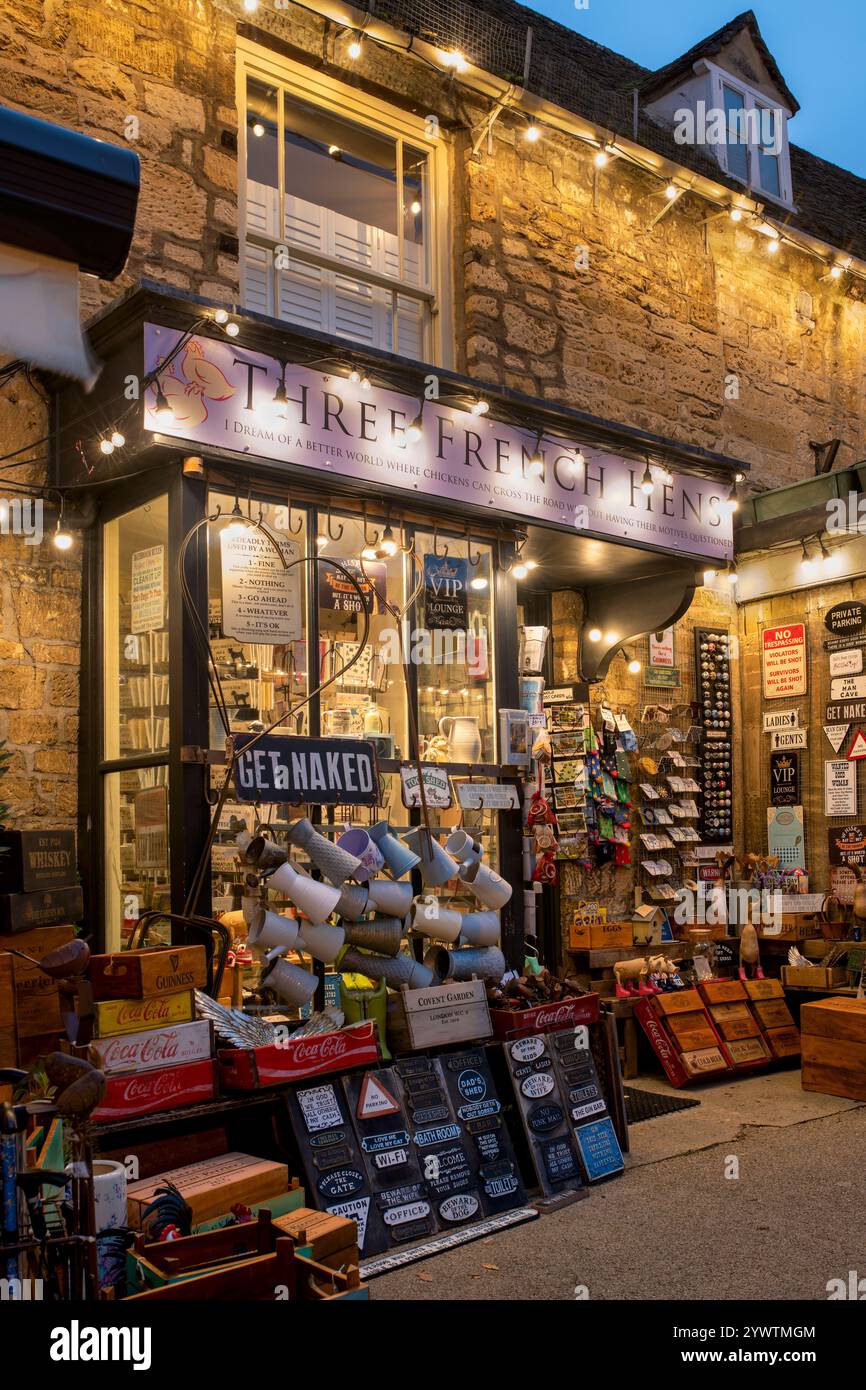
(820, 49)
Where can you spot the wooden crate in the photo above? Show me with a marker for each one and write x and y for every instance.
(683, 1001)
(773, 1013)
(703, 1061)
(736, 1027)
(213, 1186)
(600, 936)
(814, 976)
(723, 991)
(783, 1042)
(746, 1051)
(114, 1016)
(691, 1031)
(834, 1047)
(764, 989)
(36, 860)
(143, 974)
(20, 912)
(36, 1012)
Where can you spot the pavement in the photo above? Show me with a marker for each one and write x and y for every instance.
(754, 1194)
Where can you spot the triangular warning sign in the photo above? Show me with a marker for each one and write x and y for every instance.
(375, 1099)
(858, 746)
(357, 1210)
(836, 733)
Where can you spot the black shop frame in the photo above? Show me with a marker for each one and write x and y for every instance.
(189, 812)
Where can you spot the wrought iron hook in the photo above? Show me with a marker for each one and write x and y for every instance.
(292, 530)
(477, 561)
(368, 543)
(331, 535)
(440, 554)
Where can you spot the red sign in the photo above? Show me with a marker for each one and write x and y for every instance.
(245, 1069)
(154, 1091)
(858, 747)
(661, 1044)
(544, 1018)
(784, 652)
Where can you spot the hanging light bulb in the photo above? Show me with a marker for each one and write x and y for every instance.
(829, 562)
(735, 215)
(531, 133)
(415, 432)
(478, 583)
(520, 571)
(836, 272)
(773, 245)
(221, 316)
(634, 666)
(480, 407)
(536, 459)
(733, 577)
(731, 503)
(709, 576)
(453, 59)
(531, 565)
(594, 634)
(62, 538)
(118, 439)
(415, 207)
(600, 159)
(236, 523)
(251, 6)
(355, 375)
(387, 546)
(365, 383)
(611, 638)
(281, 402)
(672, 192)
(258, 129)
(321, 541)
(646, 483)
(232, 329)
(106, 446)
(354, 49)
(163, 409)
(808, 565)
(334, 151)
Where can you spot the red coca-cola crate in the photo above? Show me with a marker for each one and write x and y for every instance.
(147, 1093)
(247, 1069)
(544, 1018)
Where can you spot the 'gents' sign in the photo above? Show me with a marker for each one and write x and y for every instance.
(333, 426)
(317, 770)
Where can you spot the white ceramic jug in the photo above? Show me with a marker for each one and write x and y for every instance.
(464, 737)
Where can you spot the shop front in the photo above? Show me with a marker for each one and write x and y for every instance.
(300, 538)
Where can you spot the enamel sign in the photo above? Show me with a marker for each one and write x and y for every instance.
(784, 661)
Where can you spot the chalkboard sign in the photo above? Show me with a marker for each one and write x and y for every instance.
(317, 771)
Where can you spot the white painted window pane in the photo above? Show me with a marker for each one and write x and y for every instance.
(258, 280)
(737, 133)
(262, 153)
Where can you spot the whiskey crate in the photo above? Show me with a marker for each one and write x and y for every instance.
(747, 1050)
(36, 860)
(683, 1001)
(764, 989)
(834, 1047)
(691, 1031)
(20, 912)
(783, 1042)
(723, 991)
(773, 1013)
(142, 974)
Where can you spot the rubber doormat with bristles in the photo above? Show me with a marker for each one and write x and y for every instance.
(648, 1105)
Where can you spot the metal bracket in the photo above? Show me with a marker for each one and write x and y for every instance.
(191, 753)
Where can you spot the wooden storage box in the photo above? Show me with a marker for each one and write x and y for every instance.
(142, 974)
(599, 936)
(681, 1001)
(151, 1092)
(213, 1186)
(509, 1024)
(773, 1013)
(833, 1039)
(35, 1010)
(114, 1016)
(691, 1031)
(20, 912)
(764, 989)
(36, 860)
(723, 991)
(248, 1068)
(814, 976)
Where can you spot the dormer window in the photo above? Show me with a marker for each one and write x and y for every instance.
(755, 147)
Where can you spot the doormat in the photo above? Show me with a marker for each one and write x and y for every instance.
(648, 1105)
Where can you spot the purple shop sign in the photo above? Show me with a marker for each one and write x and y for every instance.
(223, 395)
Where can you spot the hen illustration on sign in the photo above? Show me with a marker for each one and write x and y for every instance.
(375, 1099)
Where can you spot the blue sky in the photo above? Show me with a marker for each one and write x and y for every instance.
(820, 49)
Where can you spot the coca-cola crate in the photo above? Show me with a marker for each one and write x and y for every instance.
(247, 1069)
(544, 1018)
(149, 1092)
(154, 1048)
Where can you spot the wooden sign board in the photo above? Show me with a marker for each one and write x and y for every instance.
(292, 770)
(784, 661)
(545, 1109)
(448, 1013)
(488, 796)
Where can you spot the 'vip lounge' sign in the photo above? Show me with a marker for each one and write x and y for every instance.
(335, 428)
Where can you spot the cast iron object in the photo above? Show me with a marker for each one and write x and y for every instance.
(203, 930)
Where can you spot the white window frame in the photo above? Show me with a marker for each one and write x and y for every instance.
(318, 88)
(752, 97)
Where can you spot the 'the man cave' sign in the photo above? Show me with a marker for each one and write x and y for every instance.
(320, 771)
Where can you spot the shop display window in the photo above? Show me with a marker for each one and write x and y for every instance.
(136, 859)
